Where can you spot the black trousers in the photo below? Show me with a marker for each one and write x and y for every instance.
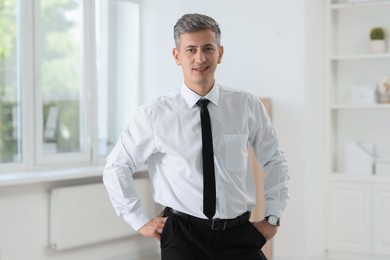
(183, 239)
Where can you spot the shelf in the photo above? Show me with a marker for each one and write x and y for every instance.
(360, 56)
(358, 106)
(360, 5)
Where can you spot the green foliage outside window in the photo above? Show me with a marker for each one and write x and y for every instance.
(8, 80)
(8, 142)
(61, 49)
(61, 70)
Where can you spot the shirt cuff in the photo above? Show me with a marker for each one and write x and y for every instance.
(275, 208)
(137, 219)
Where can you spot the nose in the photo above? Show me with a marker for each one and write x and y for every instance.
(200, 57)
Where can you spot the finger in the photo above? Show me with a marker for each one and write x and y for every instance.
(161, 224)
(161, 227)
(160, 230)
(161, 219)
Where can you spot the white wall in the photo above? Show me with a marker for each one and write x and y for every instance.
(24, 229)
(266, 54)
(272, 48)
(315, 164)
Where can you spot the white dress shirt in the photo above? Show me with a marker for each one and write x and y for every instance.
(166, 134)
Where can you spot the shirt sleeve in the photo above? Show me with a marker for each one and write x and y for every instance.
(134, 147)
(272, 159)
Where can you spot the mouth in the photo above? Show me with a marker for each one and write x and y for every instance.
(201, 69)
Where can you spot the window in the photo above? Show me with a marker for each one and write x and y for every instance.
(66, 95)
(59, 58)
(10, 139)
(117, 36)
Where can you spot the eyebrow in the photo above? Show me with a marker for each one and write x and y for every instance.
(194, 46)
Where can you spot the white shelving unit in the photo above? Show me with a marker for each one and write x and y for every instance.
(350, 64)
(356, 203)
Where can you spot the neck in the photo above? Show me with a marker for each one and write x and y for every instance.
(201, 90)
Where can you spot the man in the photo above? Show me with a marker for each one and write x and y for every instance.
(195, 142)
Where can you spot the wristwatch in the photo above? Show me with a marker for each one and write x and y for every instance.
(273, 220)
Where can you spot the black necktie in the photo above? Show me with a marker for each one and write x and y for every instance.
(208, 160)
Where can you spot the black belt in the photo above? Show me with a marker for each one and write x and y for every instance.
(214, 224)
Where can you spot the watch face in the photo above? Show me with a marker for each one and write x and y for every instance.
(272, 220)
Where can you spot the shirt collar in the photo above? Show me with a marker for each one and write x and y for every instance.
(191, 97)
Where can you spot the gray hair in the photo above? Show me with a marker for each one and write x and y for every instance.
(189, 23)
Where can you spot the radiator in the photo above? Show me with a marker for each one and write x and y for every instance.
(82, 215)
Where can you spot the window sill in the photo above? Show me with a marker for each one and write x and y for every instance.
(31, 177)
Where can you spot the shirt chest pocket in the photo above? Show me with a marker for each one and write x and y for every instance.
(236, 150)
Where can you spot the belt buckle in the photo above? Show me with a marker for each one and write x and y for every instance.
(213, 227)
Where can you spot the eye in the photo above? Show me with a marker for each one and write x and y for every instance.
(191, 50)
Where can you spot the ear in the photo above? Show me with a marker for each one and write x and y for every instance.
(175, 53)
(220, 51)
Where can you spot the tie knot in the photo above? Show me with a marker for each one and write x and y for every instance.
(203, 103)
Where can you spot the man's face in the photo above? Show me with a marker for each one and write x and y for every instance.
(198, 55)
